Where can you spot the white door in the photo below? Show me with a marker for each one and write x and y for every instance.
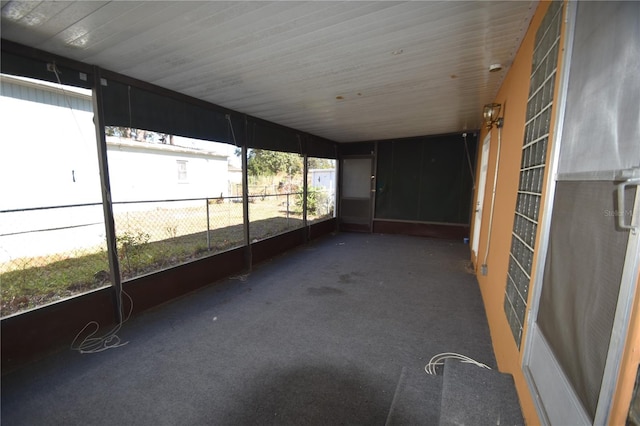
(482, 181)
(588, 261)
(356, 193)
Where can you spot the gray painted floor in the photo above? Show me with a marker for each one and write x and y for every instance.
(324, 334)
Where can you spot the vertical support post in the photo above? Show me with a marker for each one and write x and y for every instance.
(288, 193)
(329, 196)
(245, 194)
(374, 185)
(206, 200)
(305, 188)
(303, 142)
(107, 206)
(337, 195)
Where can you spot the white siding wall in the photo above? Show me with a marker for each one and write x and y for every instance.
(48, 157)
(44, 147)
(141, 172)
(323, 178)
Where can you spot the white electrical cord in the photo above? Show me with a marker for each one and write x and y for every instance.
(55, 70)
(92, 345)
(439, 359)
(493, 197)
(466, 149)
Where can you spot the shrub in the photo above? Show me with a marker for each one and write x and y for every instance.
(130, 248)
(317, 201)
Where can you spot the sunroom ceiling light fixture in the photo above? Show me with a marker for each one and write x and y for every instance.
(490, 114)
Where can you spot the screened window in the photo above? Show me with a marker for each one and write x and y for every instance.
(321, 189)
(52, 234)
(161, 222)
(275, 192)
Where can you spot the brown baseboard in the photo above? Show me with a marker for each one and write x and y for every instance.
(320, 229)
(270, 247)
(432, 230)
(352, 227)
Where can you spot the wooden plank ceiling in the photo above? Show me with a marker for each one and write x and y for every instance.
(345, 70)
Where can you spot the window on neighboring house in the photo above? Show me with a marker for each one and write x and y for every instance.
(182, 171)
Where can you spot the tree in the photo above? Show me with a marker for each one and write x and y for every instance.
(320, 163)
(262, 162)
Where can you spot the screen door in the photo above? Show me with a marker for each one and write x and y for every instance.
(584, 284)
(356, 194)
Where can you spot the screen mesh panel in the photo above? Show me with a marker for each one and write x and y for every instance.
(129, 106)
(425, 179)
(355, 197)
(581, 282)
(606, 46)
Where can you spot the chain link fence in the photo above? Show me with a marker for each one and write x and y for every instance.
(320, 204)
(155, 235)
(47, 254)
(273, 214)
(275, 208)
(50, 253)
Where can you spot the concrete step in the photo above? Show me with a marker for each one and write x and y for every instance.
(472, 395)
(416, 400)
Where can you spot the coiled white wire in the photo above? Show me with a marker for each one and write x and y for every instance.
(92, 345)
(439, 359)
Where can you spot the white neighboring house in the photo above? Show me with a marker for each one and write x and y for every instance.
(235, 180)
(323, 178)
(142, 171)
(48, 158)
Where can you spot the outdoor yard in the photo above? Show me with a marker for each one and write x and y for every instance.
(148, 240)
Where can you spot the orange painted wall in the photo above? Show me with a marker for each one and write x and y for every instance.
(512, 95)
(629, 366)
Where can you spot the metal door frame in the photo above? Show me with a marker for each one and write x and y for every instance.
(372, 192)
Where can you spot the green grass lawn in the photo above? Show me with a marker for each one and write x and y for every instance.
(148, 241)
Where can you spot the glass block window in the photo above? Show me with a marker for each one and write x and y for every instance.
(532, 167)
